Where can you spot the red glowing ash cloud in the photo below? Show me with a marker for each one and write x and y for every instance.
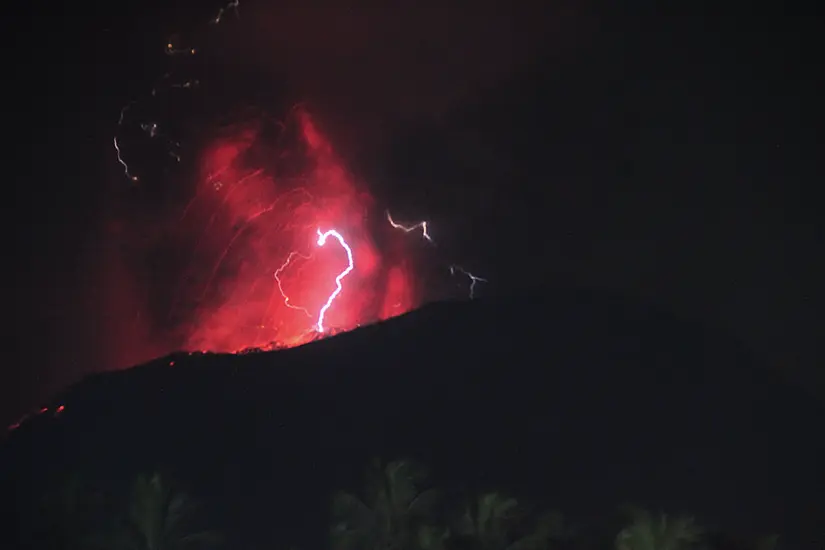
(279, 246)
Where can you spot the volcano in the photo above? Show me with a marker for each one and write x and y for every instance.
(578, 395)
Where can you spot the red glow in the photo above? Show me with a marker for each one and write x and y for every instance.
(17, 424)
(398, 298)
(246, 268)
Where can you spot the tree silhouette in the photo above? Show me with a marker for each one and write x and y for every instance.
(159, 518)
(70, 516)
(646, 532)
(396, 511)
(495, 522)
(770, 542)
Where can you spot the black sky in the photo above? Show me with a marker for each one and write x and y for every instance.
(675, 159)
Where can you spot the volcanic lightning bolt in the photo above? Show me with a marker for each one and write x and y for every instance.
(280, 270)
(151, 128)
(408, 229)
(244, 216)
(123, 162)
(474, 279)
(322, 239)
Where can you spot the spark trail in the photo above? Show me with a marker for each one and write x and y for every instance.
(322, 239)
(233, 5)
(172, 50)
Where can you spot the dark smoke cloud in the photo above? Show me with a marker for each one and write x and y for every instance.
(363, 70)
(366, 69)
(368, 66)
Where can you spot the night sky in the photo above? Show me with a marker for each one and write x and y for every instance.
(672, 159)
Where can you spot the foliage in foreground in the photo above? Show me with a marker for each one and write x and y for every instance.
(397, 509)
(149, 516)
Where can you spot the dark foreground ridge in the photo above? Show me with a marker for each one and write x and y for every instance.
(581, 401)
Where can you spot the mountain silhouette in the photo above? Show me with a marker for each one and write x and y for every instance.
(580, 399)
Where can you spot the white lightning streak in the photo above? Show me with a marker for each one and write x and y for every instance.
(233, 5)
(122, 162)
(411, 228)
(281, 288)
(473, 279)
(322, 239)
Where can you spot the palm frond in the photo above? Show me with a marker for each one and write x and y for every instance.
(658, 533)
(432, 537)
(770, 542)
(392, 512)
(350, 508)
(425, 503)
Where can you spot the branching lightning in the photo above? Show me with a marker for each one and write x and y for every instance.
(229, 196)
(473, 278)
(151, 128)
(322, 239)
(280, 286)
(409, 229)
